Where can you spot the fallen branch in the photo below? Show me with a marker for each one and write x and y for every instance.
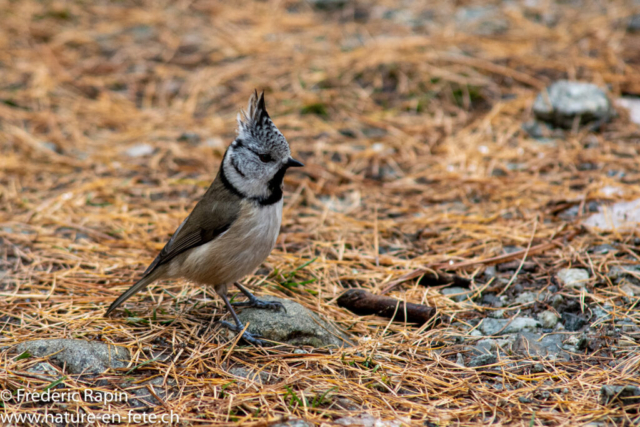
(364, 303)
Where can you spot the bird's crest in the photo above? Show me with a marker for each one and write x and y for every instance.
(256, 115)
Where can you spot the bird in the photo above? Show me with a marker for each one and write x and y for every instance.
(234, 226)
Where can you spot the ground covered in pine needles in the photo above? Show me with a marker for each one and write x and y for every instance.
(409, 118)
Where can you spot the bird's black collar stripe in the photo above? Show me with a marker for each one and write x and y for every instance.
(228, 185)
(275, 186)
(235, 166)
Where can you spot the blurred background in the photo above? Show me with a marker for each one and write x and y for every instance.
(433, 134)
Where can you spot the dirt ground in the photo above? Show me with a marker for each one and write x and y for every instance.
(409, 118)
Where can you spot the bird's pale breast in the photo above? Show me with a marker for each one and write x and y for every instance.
(237, 252)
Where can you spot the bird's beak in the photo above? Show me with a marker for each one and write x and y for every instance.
(293, 163)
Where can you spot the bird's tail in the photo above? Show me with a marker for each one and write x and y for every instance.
(140, 285)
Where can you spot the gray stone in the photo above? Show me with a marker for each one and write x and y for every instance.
(367, 420)
(603, 249)
(43, 368)
(542, 132)
(139, 150)
(507, 326)
(144, 396)
(602, 313)
(481, 20)
(535, 345)
(632, 105)
(557, 300)
(191, 138)
(573, 277)
(621, 274)
(250, 374)
(79, 356)
(548, 319)
(328, 5)
(490, 271)
(457, 293)
(295, 326)
(634, 24)
(496, 314)
(293, 423)
(572, 322)
(483, 360)
(526, 298)
(622, 394)
(575, 343)
(487, 345)
(564, 101)
(620, 216)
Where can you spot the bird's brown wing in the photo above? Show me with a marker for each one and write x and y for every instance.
(213, 215)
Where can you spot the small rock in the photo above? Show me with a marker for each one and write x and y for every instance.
(367, 420)
(347, 404)
(557, 300)
(573, 277)
(634, 24)
(535, 345)
(486, 346)
(548, 319)
(623, 274)
(494, 326)
(496, 314)
(523, 399)
(621, 216)
(481, 20)
(144, 398)
(293, 423)
(457, 293)
(260, 377)
(630, 290)
(602, 313)
(79, 356)
(526, 298)
(490, 271)
(492, 299)
(140, 150)
(622, 394)
(572, 322)
(460, 359)
(44, 368)
(190, 138)
(483, 360)
(538, 367)
(328, 5)
(603, 249)
(296, 326)
(632, 105)
(575, 343)
(564, 101)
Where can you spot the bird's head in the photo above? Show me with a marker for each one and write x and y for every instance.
(256, 161)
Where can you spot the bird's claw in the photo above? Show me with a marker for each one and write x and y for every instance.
(247, 336)
(257, 303)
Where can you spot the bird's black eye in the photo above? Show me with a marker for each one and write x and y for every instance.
(266, 158)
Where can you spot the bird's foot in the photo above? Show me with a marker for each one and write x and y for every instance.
(247, 336)
(258, 303)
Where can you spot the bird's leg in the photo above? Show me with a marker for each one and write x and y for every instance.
(238, 327)
(255, 302)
